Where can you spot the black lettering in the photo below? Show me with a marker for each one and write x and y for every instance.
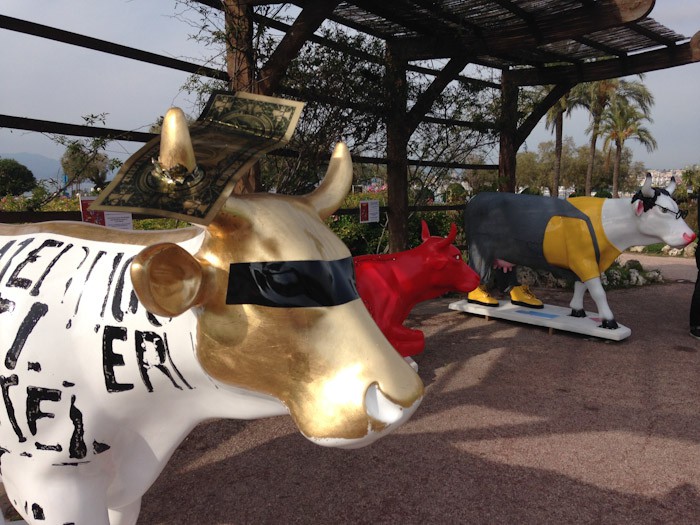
(170, 358)
(35, 290)
(77, 448)
(5, 248)
(111, 359)
(22, 282)
(38, 512)
(115, 265)
(6, 306)
(143, 340)
(117, 311)
(52, 448)
(21, 247)
(99, 448)
(36, 312)
(34, 367)
(70, 279)
(5, 384)
(35, 395)
(87, 278)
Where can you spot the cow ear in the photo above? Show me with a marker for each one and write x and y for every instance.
(167, 279)
(638, 207)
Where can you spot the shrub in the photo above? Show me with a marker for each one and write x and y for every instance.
(368, 238)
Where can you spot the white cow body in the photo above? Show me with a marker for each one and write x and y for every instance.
(79, 329)
(98, 392)
(628, 225)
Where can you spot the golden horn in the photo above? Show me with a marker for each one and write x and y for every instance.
(336, 184)
(175, 143)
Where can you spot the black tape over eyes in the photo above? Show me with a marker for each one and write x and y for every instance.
(292, 284)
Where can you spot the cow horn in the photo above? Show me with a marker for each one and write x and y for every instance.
(450, 236)
(175, 143)
(671, 186)
(425, 231)
(453, 233)
(647, 190)
(335, 185)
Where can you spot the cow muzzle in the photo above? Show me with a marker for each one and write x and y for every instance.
(380, 409)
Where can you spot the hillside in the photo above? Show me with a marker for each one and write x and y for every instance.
(42, 167)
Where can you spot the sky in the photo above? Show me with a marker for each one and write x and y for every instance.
(49, 80)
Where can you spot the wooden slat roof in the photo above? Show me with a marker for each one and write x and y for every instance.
(511, 34)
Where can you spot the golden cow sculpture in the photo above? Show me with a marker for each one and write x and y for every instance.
(116, 344)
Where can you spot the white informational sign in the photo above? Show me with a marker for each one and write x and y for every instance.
(111, 219)
(369, 211)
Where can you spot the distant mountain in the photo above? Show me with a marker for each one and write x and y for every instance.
(42, 167)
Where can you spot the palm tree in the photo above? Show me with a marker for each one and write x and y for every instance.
(555, 118)
(596, 96)
(623, 120)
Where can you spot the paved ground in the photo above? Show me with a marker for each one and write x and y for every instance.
(517, 426)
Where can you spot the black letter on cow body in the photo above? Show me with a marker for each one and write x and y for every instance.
(35, 395)
(15, 281)
(162, 352)
(35, 289)
(77, 448)
(4, 249)
(36, 312)
(6, 305)
(87, 278)
(111, 359)
(115, 265)
(117, 311)
(5, 384)
(22, 246)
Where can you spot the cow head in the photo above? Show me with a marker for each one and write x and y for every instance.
(444, 262)
(278, 313)
(659, 216)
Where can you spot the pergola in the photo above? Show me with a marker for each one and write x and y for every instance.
(555, 43)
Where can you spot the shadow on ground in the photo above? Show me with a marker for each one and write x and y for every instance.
(517, 426)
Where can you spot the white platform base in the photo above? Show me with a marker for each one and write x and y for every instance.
(553, 317)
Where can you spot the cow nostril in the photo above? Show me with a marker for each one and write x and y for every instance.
(689, 238)
(379, 407)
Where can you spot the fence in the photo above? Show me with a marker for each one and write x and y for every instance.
(19, 217)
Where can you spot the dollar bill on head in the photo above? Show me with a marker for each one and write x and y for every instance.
(231, 134)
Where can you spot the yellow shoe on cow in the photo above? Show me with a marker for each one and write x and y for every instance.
(480, 295)
(522, 296)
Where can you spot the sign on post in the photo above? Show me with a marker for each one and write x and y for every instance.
(112, 219)
(369, 211)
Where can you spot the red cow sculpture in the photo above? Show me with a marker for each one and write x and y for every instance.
(392, 284)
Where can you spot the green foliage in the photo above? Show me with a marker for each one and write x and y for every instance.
(23, 203)
(455, 194)
(373, 237)
(15, 178)
(346, 98)
(159, 224)
(655, 248)
(83, 161)
(535, 169)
